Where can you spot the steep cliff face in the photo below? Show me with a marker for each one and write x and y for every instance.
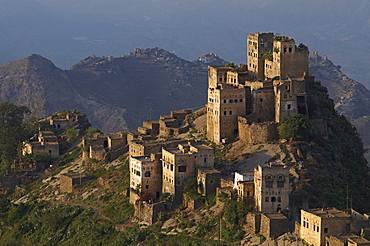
(351, 98)
(36, 83)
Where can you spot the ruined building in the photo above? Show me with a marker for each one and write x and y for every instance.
(250, 100)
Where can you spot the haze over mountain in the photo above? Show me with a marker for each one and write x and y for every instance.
(65, 31)
(118, 93)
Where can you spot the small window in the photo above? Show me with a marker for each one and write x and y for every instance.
(289, 106)
(317, 228)
(231, 101)
(266, 199)
(147, 174)
(269, 184)
(146, 186)
(224, 112)
(236, 100)
(225, 101)
(279, 199)
(290, 49)
(231, 112)
(241, 100)
(273, 199)
(171, 167)
(182, 169)
(280, 184)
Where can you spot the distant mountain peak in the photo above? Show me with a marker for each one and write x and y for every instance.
(39, 61)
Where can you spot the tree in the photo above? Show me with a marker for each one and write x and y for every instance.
(296, 127)
(13, 131)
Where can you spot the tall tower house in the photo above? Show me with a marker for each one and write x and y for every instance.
(271, 184)
(226, 101)
(257, 45)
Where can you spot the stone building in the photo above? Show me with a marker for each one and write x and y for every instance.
(174, 124)
(148, 213)
(273, 225)
(317, 225)
(272, 86)
(45, 142)
(271, 189)
(145, 177)
(208, 180)
(346, 240)
(180, 164)
(145, 148)
(69, 180)
(105, 146)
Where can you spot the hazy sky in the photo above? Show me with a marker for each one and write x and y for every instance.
(67, 31)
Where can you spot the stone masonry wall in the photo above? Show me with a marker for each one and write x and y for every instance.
(257, 133)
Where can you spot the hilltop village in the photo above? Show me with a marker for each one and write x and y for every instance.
(245, 103)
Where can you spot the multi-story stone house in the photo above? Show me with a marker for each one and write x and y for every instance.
(145, 177)
(180, 164)
(272, 86)
(325, 226)
(271, 188)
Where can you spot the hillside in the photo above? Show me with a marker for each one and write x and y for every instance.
(351, 98)
(36, 83)
(323, 170)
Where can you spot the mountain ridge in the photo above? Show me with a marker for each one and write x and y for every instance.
(118, 93)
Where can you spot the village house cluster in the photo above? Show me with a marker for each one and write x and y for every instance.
(247, 102)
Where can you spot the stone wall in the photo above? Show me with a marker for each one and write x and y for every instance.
(68, 180)
(273, 225)
(208, 180)
(253, 222)
(257, 133)
(148, 213)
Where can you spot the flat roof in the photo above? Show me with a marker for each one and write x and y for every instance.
(142, 158)
(73, 175)
(276, 216)
(329, 213)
